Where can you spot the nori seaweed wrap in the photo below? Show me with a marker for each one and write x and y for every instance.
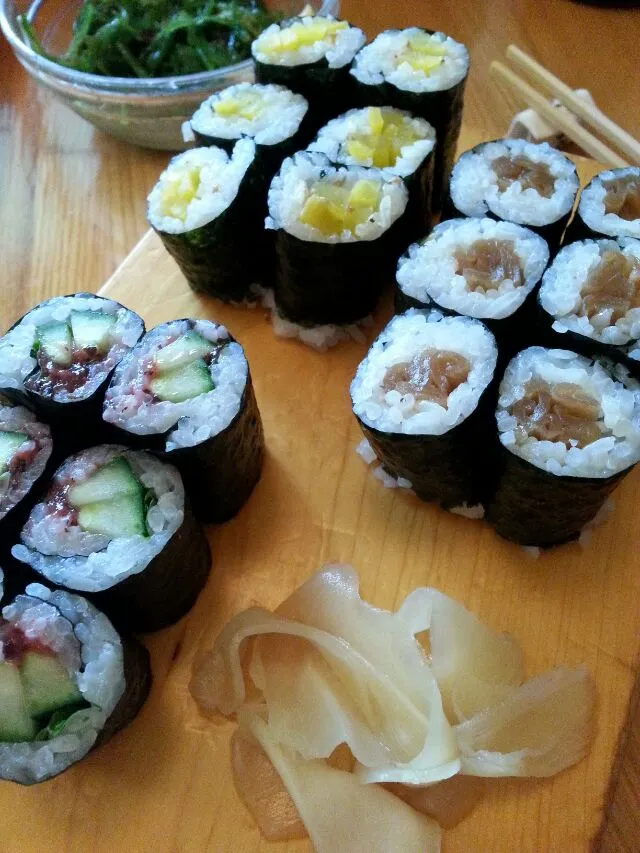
(609, 206)
(115, 525)
(424, 73)
(570, 433)
(422, 397)
(186, 392)
(68, 682)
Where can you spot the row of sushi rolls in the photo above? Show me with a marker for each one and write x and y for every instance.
(505, 384)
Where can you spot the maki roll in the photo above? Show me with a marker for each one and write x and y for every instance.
(68, 683)
(59, 357)
(569, 432)
(590, 299)
(422, 72)
(392, 140)
(114, 525)
(207, 208)
(311, 56)
(609, 206)
(186, 390)
(522, 182)
(339, 230)
(479, 268)
(421, 397)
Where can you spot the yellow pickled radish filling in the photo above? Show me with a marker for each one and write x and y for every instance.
(248, 105)
(333, 208)
(179, 192)
(423, 53)
(383, 140)
(303, 35)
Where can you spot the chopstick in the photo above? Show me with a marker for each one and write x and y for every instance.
(558, 120)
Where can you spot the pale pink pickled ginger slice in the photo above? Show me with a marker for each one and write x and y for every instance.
(447, 802)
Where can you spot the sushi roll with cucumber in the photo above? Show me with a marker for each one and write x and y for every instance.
(310, 55)
(424, 73)
(479, 268)
(570, 432)
(186, 391)
(207, 208)
(114, 524)
(59, 357)
(422, 397)
(590, 299)
(609, 206)
(68, 683)
(518, 181)
(339, 230)
(392, 140)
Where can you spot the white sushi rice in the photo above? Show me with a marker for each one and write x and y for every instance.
(16, 361)
(296, 180)
(382, 61)
(38, 442)
(619, 415)
(332, 139)
(592, 205)
(475, 191)
(192, 421)
(428, 270)
(220, 176)
(338, 49)
(404, 337)
(561, 292)
(90, 562)
(278, 114)
(86, 642)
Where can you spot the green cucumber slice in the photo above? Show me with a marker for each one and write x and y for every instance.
(9, 443)
(16, 724)
(47, 685)
(54, 340)
(111, 481)
(190, 347)
(92, 329)
(122, 516)
(184, 383)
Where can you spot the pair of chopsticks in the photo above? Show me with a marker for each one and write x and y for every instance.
(560, 120)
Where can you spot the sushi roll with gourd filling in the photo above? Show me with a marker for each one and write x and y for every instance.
(420, 397)
(523, 182)
(206, 207)
(186, 390)
(590, 299)
(68, 683)
(59, 357)
(339, 232)
(311, 56)
(609, 206)
(389, 139)
(114, 525)
(570, 432)
(422, 72)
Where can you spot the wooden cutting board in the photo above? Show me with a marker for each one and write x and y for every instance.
(164, 785)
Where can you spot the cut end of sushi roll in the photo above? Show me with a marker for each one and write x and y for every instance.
(25, 449)
(197, 187)
(413, 60)
(481, 268)
(315, 201)
(267, 114)
(610, 203)
(515, 180)
(424, 374)
(567, 415)
(308, 40)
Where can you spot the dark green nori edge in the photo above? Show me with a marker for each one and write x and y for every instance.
(138, 681)
(420, 210)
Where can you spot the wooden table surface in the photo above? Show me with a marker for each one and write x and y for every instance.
(72, 202)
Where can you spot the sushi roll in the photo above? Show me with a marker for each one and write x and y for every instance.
(339, 230)
(569, 432)
(523, 182)
(114, 525)
(59, 357)
(590, 299)
(68, 683)
(609, 206)
(422, 72)
(186, 391)
(311, 56)
(479, 268)
(207, 209)
(391, 140)
(422, 397)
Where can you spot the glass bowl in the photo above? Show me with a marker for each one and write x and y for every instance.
(146, 112)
